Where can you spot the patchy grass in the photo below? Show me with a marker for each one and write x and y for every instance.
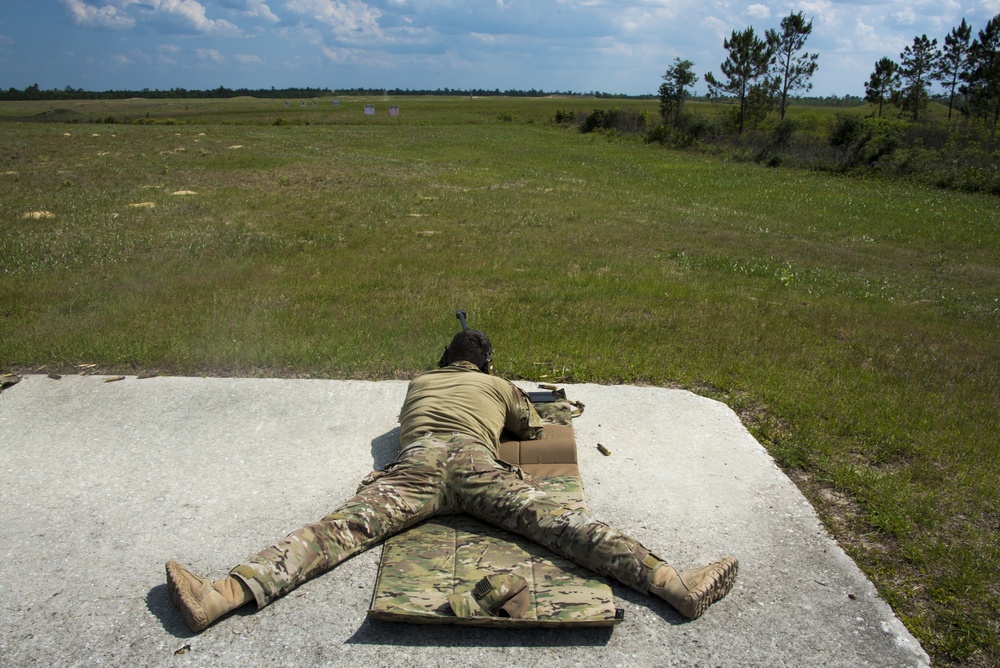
(852, 323)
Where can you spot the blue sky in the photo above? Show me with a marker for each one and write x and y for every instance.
(557, 45)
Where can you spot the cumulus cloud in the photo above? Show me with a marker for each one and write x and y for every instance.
(106, 16)
(758, 11)
(192, 13)
(168, 48)
(343, 17)
(338, 55)
(247, 59)
(125, 14)
(906, 15)
(6, 40)
(721, 29)
(209, 54)
(876, 41)
(259, 9)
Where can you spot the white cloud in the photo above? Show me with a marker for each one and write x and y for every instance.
(721, 29)
(259, 9)
(192, 13)
(209, 54)
(610, 46)
(868, 39)
(247, 59)
(168, 48)
(906, 15)
(341, 56)
(121, 60)
(108, 16)
(124, 14)
(344, 17)
(483, 37)
(635, 19)
(6, 40)
(758, 11)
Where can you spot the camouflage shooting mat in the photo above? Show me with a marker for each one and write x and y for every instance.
(449, 555)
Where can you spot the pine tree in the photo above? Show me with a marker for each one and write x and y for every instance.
(918, 62)
(747, 64)
(983, 77)
(792, 69)
(883, 83)
(954, 60)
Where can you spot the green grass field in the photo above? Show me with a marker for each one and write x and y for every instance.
(852, 323)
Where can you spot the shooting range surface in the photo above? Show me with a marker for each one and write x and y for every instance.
(101, 483)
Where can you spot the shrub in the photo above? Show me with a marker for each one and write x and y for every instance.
(865, 141)
(783, 133)
(619, 120)
(565, 116)
(812, 123)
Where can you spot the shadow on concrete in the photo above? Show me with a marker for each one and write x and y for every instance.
(374, 632)
(384, 449)
(658, 607)
(158, 603)
(160, 606)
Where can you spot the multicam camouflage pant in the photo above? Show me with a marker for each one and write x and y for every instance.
(436, 475)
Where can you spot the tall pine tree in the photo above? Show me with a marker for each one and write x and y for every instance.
(954, 63)
(883, 83)
(983, 78)
(791, 68)
(747, 64)
(918, 63)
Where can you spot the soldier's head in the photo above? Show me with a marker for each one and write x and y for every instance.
(469, 345)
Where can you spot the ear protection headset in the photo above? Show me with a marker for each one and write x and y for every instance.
(487, 366)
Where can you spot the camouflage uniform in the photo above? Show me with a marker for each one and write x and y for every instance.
(443, 468)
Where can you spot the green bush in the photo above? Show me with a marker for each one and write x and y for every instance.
(625, 121)
(783, 132)
(864, 141)
(565, 116)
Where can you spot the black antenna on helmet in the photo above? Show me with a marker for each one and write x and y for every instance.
(461, 315)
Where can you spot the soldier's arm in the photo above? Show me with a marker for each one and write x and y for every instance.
(522, 419)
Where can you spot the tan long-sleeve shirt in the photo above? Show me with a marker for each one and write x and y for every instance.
(459, 399)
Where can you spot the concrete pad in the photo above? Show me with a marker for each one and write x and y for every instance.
(101, 483)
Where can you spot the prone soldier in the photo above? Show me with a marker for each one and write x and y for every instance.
(451, 422)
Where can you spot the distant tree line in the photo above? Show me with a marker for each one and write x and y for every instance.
(33, 92)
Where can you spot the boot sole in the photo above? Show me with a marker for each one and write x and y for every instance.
(183, 599)
(715, 587)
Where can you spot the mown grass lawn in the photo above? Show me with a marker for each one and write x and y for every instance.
(852, 323)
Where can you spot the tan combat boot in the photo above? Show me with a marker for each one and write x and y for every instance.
(691, 592)
(200, 600)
